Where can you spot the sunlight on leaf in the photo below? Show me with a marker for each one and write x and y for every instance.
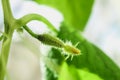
(71, 73)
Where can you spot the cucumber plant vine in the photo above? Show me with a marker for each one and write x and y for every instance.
(93, 64)
(11, 24)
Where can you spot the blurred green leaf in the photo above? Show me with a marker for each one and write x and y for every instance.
(71, 73)
(50, 75)
(92, 58)
(75, 12)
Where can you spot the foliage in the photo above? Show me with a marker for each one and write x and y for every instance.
(75, 12)
(92, 58)
(72, 73)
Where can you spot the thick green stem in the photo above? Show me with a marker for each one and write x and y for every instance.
(8, 31)
(6, 10)
(6, 46)
(27, 18)
(4, 54)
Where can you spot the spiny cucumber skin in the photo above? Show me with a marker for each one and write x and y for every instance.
(72, 50)
(50, 40)
(55, 42)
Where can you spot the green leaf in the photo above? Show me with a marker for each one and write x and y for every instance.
(71, 73)
(92, 58)
(50, 75)
(75, 12)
